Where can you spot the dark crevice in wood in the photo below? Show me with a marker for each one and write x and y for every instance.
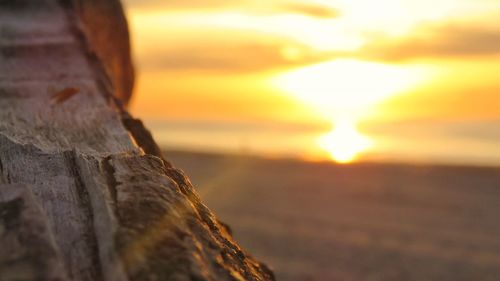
(2, 177)
(8, 178)
(10, 211)
(111, 181)
(70, 158)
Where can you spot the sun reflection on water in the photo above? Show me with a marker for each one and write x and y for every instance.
(345, 91)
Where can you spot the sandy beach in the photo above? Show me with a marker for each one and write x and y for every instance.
(361, 222)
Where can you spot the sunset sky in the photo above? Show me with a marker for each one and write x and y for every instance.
(396, 80)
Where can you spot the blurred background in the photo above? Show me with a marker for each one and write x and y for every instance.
(342, 139)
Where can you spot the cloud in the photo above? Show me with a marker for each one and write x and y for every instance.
(452, 40)
(183, 4)
(483, 130)
(247, 6)
(453, 98)
(244, 56)
(312, 10)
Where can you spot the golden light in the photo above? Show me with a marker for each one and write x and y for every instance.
(441, 78)
(320, 34)
(346, 88)
(344, 143)
(345, 91)
(399, 17)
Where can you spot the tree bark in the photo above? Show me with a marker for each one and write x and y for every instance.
(85, 193)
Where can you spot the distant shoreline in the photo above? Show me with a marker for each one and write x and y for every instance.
(287, 158)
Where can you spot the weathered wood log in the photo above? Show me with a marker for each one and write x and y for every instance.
(27, 246)
(84, 191)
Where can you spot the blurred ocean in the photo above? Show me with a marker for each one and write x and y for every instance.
(444, 144)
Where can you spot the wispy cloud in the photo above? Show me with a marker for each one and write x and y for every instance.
(312, 10)
(184, 4)
(247, 6)
(453, 100)
(480, 130)
(243, 56)
(443, 41)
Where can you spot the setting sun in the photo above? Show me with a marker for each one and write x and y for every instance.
(344, 142)
(273, 76)
(345, 91)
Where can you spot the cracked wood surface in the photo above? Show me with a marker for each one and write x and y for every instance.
(81, 181)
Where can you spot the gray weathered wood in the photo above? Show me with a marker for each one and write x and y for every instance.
(27, 245)
(98, 200)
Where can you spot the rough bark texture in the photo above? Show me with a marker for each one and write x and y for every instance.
(84, 192)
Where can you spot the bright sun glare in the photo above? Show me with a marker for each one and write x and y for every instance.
(345, 91)
(346, 88)
(344, 143)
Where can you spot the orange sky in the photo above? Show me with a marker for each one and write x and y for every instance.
(419, 79)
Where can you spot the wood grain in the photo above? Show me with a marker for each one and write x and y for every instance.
(96, 194)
